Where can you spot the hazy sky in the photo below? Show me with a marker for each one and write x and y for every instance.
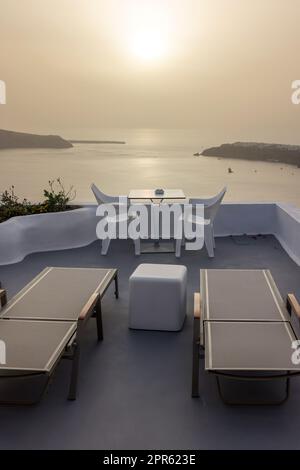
(224, 67)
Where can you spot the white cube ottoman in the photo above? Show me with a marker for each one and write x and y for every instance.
(157, 297)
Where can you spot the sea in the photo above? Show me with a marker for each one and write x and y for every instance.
(150, 159)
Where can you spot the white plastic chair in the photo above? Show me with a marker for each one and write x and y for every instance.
(103, 198)
(211, 207)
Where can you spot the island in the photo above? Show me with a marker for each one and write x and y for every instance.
(18, 140)
(276, 153)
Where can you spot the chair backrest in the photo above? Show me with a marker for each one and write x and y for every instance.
(211, 205)
(102, 198)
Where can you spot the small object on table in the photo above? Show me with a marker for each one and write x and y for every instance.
(159, 192)
(151, 194)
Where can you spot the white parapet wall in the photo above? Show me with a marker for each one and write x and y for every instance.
(245, 218)
(278, 219)
(287, 229)
(21, 236)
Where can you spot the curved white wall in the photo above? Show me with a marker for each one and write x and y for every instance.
(21, 236)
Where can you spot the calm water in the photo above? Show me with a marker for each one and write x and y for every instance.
(150, 159)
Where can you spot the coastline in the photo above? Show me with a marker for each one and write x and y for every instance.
(11, 140)
(118, 169)
(256, 152)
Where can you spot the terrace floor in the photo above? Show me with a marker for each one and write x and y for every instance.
(135, 387)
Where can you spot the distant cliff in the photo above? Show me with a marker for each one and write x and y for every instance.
(289, 154)
(13, 140)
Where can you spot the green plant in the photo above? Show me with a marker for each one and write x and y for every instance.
(11, 200)
(57, 197)
(11, 206)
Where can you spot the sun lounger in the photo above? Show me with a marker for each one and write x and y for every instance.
(244, 328)
(44, 323)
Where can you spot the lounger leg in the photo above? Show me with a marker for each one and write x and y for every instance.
(99, 320)
(264, 403)
(195, 381)
(195, 376)
(287, 389)
(74, 373)
(116, 286)
(3, 298)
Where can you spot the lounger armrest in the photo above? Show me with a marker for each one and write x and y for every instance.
(89, 306)
(3, 297)
(293, 305)
(197, 306)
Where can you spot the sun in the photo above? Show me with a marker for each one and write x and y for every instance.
(149, 46)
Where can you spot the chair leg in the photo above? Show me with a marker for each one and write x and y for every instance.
(213, 235)
(137, 247)
(208, 240)
(178, 244)
(105, 246)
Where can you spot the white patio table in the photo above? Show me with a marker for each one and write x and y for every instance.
(157, 198)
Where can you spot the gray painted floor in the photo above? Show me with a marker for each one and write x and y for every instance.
(134, 389)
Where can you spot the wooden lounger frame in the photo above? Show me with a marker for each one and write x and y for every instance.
(92, 308)
(3, 298)
(292, 305)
